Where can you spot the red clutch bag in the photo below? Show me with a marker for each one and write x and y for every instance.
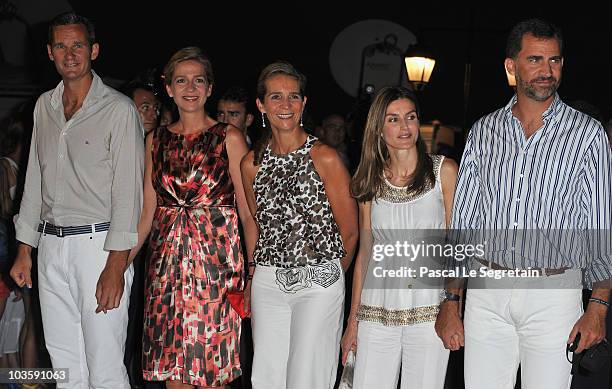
(236, 300)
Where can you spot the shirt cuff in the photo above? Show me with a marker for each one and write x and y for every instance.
(26, 234)
(120, 241)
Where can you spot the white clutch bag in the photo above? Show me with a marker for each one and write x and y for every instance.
(346, 381)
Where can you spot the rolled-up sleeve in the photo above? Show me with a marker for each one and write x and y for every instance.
(26, 223)
(597, 202)
(127, 155)
(465, 220)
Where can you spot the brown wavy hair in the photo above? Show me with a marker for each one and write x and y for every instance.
(272, 70)
(368, 180)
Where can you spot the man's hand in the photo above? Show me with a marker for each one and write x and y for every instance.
(111, 282)
(592, 327)
(449, 326)
(21, 272)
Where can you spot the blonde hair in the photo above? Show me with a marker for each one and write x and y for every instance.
(186, 54)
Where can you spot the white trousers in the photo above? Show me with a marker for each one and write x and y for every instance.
(524, 325)
(381, 350)
(89, 344)
(296, 336)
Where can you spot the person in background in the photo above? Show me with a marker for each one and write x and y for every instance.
(148, 106)
(298, 190)
(13, 326)
(333, 133)
(143, 95)
(82, 199)
(15, 133)
(167, 113)
(232, 109)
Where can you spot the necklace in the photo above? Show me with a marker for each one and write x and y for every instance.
(400, 194)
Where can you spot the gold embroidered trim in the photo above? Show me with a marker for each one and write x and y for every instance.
(398, 317)
(397, 194)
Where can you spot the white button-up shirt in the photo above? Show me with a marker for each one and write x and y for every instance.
(86, 170)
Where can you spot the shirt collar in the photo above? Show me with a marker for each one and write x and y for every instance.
(96, 91)
(551, 112)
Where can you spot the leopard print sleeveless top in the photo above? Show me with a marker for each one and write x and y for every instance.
(296, 224)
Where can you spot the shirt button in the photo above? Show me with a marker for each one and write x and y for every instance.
(511, 248)
(515, 224)
(518, 199)
(520, 175)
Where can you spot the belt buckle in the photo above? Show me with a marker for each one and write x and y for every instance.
(60, 232)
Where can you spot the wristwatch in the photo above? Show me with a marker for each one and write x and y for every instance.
(445, 295)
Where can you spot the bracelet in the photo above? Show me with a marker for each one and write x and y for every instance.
(448, 296)
(600, 301)
(251, 264)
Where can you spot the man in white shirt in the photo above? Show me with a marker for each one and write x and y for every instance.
(81, 205)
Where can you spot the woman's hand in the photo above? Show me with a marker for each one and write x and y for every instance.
(349, 339)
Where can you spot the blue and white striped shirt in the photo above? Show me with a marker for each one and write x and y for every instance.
(545, 200)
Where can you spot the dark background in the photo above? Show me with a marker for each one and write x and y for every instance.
(241, 38)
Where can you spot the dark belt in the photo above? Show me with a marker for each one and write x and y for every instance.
(60, 232)
(548, 272)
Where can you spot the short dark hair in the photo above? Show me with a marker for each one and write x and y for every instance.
(539, 28)
(236, 94)
(133, 86)
(67, 18)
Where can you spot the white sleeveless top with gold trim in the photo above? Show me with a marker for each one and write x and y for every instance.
(393, 212)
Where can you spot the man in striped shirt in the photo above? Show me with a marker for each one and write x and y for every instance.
(535, 188)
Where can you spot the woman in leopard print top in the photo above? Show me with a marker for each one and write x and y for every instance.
(298, 190)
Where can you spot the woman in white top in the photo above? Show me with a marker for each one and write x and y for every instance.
(401, 190)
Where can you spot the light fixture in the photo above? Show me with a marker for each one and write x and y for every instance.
(419, 66)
